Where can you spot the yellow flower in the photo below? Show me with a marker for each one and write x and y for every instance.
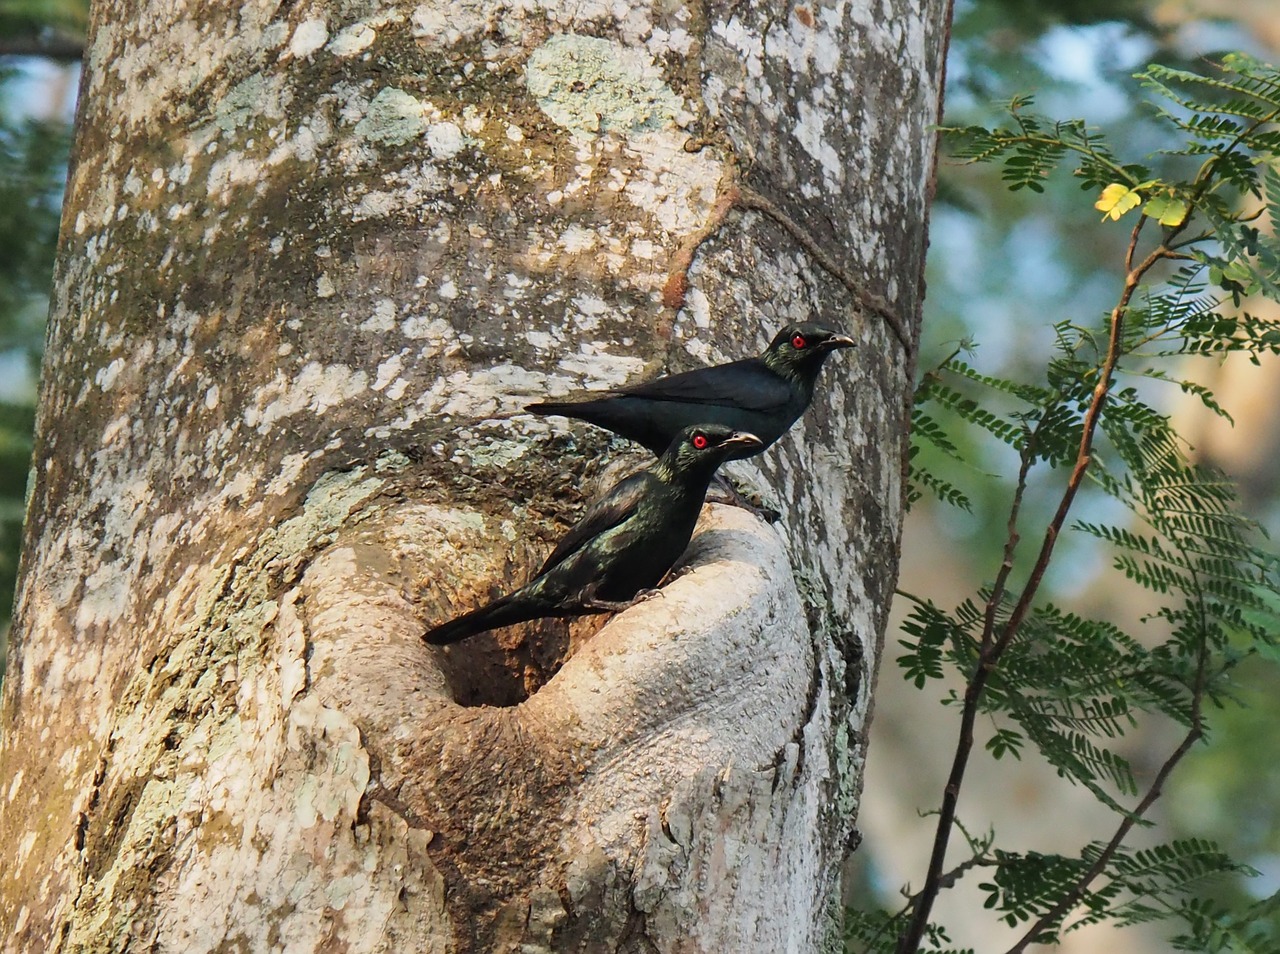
(1116, 200)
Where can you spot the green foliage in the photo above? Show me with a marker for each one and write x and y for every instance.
(17, 421)
(1054, 682)
(32, 168)
(1142, 886)
(35, 16)
(1212, 929)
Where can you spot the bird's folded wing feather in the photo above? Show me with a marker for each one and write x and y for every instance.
(748, 384)
(607, 512)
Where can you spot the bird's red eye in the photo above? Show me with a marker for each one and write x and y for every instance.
(798, 342)
(700, 441)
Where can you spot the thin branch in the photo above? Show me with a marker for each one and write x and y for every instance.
(1133, 242)
(1203, 178)
(1194, 733)
(934, 878)
(994, 647)
(950, 879)
(1080, 149)
(1084, 455)
(1012, 539)
(935, 373)
(1194, 240)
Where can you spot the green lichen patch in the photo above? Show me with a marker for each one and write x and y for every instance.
(592, 85)
(241, 104)
(394, 118)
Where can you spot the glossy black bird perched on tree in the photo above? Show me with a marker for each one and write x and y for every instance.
(763, 396)
(624, 544)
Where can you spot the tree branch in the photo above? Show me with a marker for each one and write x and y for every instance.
(935, 880)
(993, 647)
(1194, 734)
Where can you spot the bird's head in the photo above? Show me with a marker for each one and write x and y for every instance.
(799, 350)
(704, 447)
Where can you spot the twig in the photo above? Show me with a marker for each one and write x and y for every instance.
(1071, 897)
(1083, 455)
(948, 881)
(959, 871)
(1194, 734)
(935, 880)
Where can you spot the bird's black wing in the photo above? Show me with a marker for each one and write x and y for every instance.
(746, 384)
(607, 512)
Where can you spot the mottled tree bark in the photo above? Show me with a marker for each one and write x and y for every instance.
(315, 258)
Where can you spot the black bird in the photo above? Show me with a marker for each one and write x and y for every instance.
(624, 544)
(763, 396)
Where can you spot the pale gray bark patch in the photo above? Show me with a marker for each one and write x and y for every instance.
(293, 306)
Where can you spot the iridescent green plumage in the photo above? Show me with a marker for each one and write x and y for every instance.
(624, 544)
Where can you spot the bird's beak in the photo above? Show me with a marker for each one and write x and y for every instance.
(839, 341)
(742, 439)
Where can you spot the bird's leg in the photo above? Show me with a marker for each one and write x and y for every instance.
(732, 496)
(606, 606)
(591, 602)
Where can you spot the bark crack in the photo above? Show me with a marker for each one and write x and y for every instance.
(82, 825)
(397, 806)
(816, 681)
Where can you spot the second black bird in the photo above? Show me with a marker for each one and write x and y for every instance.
(764, 395)
(624, 544)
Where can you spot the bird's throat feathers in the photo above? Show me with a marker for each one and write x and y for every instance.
(799, 370)
(681, 474)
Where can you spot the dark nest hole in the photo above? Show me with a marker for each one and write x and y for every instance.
(505, 667)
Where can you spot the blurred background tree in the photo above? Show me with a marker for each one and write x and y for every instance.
(1003, 266)
(40, 43)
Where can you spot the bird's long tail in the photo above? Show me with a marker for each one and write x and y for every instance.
(552, 407)
(507, 610)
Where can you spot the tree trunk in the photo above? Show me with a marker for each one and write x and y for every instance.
(312, 267)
